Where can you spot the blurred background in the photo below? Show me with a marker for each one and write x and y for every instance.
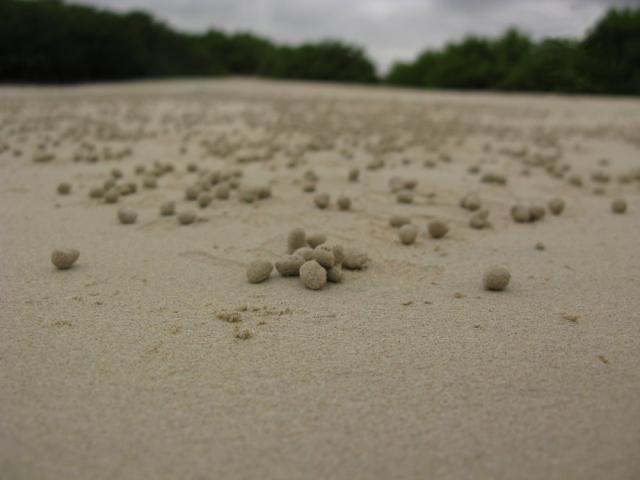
(572, 46)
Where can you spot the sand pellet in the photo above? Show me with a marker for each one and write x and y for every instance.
(96, 192)
(471, 202)
(354, 259)
(537, 212)
(111, 196)
(259, 271)
(408, 234)
(521, 213)
(187, 218)
(438, 228)
(344, 202)
(168, 208)
(556, 206)
(316, 239)
(64, 188)
(290, 265)
(305, 252)
(354, 175)
(204, 199)
(297, 239)
(127, 216)
(396, 221)
(496, 278)
(322, 200)
(324, 256)
(619, 206)
(334, 274)
(313, 276)
(63, 259)
(479, 219)
(406, 196)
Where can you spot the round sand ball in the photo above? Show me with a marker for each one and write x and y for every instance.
(556, 206)
(334, 274)
(354, 174)
(112, 196)
(437, 228)
(191, 193)
(316, 239)
(297, 239)
(116, 173)
(471, 202)
(321, 200)
(354, 259)
(64, 188)
(150, 182)
(187, 218)
(96, 192)
(619, 206)
(405, 196)
(324, 256)
(309, 187)
(396, 221)
(192, 167)
(313, 276)
(496, 278)
(479, 219)
(63, 259)
(408, 234)
(204, 199)
(344, 202)
(139, 169)
(223, 191)
(305, 252)
(263, 192)
(127, 216)
(290, 265)
(520, 213)
(109, 183)
(259, 271)
(537, 212)
(411, 184)
(338, 254)
(167, 208)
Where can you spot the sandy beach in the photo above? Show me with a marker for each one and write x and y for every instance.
(119, 368)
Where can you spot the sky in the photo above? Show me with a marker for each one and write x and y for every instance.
(388, 30)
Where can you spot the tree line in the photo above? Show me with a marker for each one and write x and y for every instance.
(50, 41)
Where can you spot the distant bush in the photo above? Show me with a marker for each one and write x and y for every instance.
(607, 60)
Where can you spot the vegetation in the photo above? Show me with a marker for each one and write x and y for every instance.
(53, 41)
(607, 60)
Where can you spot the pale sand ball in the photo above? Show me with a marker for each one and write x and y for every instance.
(204, 199)
(167, 208)
(338, 254)
(344, 202)
(191, 193)
(324, 256)
(540, 246)
(223, 191)
(297, 239)
(109, 183)
(619, 206)
(259, 271)
(408, 234)
(64, 258)
(520, 213)
(305, 252)
(116, 173)
(322, 200)
(96, 192)
(263, 192)
(537, 212)
(290, 265)
(313, 276)
(396, 221)
(244, 334)
(496, 278)
(150, 182)
(405, 196)
(127, 216)
(354, 174)
(187, 218)
(479, 219)
(354, 259)
(438, 228)
(334, 274)
(316, 239)
(111, 196)
(471, 202)
(139, 169)
(411, 184)
(556, 206)
(64, 188)
(309, 187)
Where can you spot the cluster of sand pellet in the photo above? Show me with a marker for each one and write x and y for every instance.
(312, 259)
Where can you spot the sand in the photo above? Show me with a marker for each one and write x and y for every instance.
(120, 368)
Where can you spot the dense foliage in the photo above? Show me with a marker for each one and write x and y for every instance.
(607, 60)
(53, 41)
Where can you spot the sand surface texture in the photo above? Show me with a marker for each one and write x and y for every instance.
(119, 368)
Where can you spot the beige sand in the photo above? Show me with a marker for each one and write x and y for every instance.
(120, 369)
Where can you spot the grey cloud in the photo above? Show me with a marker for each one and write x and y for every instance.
(388, 29)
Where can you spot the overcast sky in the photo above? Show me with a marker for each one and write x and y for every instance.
(388, 29)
